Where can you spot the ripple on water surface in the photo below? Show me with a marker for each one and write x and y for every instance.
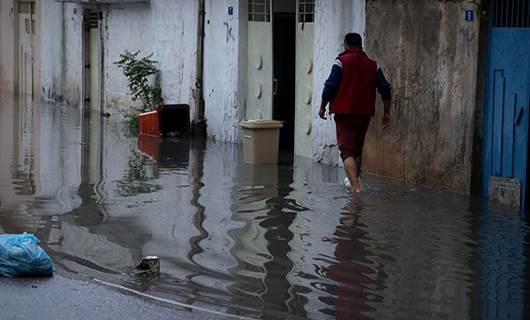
(259, 241)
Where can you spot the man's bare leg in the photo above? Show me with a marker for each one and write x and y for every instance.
(352, 171)
(359, 162)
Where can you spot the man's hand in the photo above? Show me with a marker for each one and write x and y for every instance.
(386, 122)
(322, 112)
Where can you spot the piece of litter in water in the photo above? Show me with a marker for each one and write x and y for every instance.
(149, 266)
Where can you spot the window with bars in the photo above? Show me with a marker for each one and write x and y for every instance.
(92, 19)
(259, 10)
(511, 14)
(24, 7)
(306, 10)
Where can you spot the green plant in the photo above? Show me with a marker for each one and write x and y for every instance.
(139, 71)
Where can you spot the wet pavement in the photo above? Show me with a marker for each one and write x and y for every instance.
(267, 242)
(61, 298)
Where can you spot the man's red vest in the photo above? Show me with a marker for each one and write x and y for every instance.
(357, 90)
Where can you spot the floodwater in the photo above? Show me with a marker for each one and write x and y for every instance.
(269, 242)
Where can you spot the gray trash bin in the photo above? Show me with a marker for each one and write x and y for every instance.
(261, 140)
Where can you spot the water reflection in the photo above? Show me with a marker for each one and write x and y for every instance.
(260, 241)
(502, 266)
(350, 269)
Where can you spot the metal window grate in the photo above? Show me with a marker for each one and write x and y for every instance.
(24, 7)
(306, 10)
(511, 13)
(259, 10)
(92, 19)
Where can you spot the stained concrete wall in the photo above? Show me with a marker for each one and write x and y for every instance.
(225, 68)
(164, 27)
(429, 53)
(333, 19)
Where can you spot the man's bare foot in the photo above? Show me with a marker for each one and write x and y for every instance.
(356, 186)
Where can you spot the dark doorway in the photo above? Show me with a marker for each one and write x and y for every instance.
(284, 44)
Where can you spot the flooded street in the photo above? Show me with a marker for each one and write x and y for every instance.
(269, 242)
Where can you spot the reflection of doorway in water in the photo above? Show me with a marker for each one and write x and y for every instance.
(527, 208)
(279, 291)
(24, 166)
(527, 272)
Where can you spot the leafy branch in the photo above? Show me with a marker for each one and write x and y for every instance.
(139, 71)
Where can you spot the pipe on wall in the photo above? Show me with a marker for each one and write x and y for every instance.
(199, 122)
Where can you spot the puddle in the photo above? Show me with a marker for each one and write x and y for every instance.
(268, 242)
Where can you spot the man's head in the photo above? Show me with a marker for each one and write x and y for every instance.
(353, 40)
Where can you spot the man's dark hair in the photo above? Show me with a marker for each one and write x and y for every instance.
(353, 40)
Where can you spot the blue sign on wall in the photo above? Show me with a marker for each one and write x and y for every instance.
(230, 11)
(469, 15)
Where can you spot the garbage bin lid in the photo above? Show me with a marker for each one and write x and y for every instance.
(261, 124)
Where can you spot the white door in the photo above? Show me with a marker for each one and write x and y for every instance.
(259, 76)
(304, 77)
(26, 29)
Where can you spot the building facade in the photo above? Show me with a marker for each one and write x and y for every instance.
(269, 59)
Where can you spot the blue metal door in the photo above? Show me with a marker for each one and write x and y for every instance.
(508, 97)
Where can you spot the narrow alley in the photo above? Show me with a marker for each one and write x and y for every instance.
(266, 241)
(264, 159)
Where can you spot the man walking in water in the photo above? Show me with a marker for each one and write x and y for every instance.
(350, 90)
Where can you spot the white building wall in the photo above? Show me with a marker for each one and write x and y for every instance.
(164, 27)
(73, 53)
(333, 19)
(224, 68)
(169, 29)
(7, 59)
(50, 53)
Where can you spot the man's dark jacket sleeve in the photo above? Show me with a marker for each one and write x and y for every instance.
(383, 87)
(332, 84)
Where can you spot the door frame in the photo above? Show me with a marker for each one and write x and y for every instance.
(485, 141)
(16, 47)
(303, 127)
(259, 90)
(85, 58)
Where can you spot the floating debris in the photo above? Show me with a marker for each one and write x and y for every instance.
(148, 267)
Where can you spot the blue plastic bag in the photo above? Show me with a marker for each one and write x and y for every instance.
(21, 256)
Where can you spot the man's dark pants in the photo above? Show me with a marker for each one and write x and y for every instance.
(351, 131)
